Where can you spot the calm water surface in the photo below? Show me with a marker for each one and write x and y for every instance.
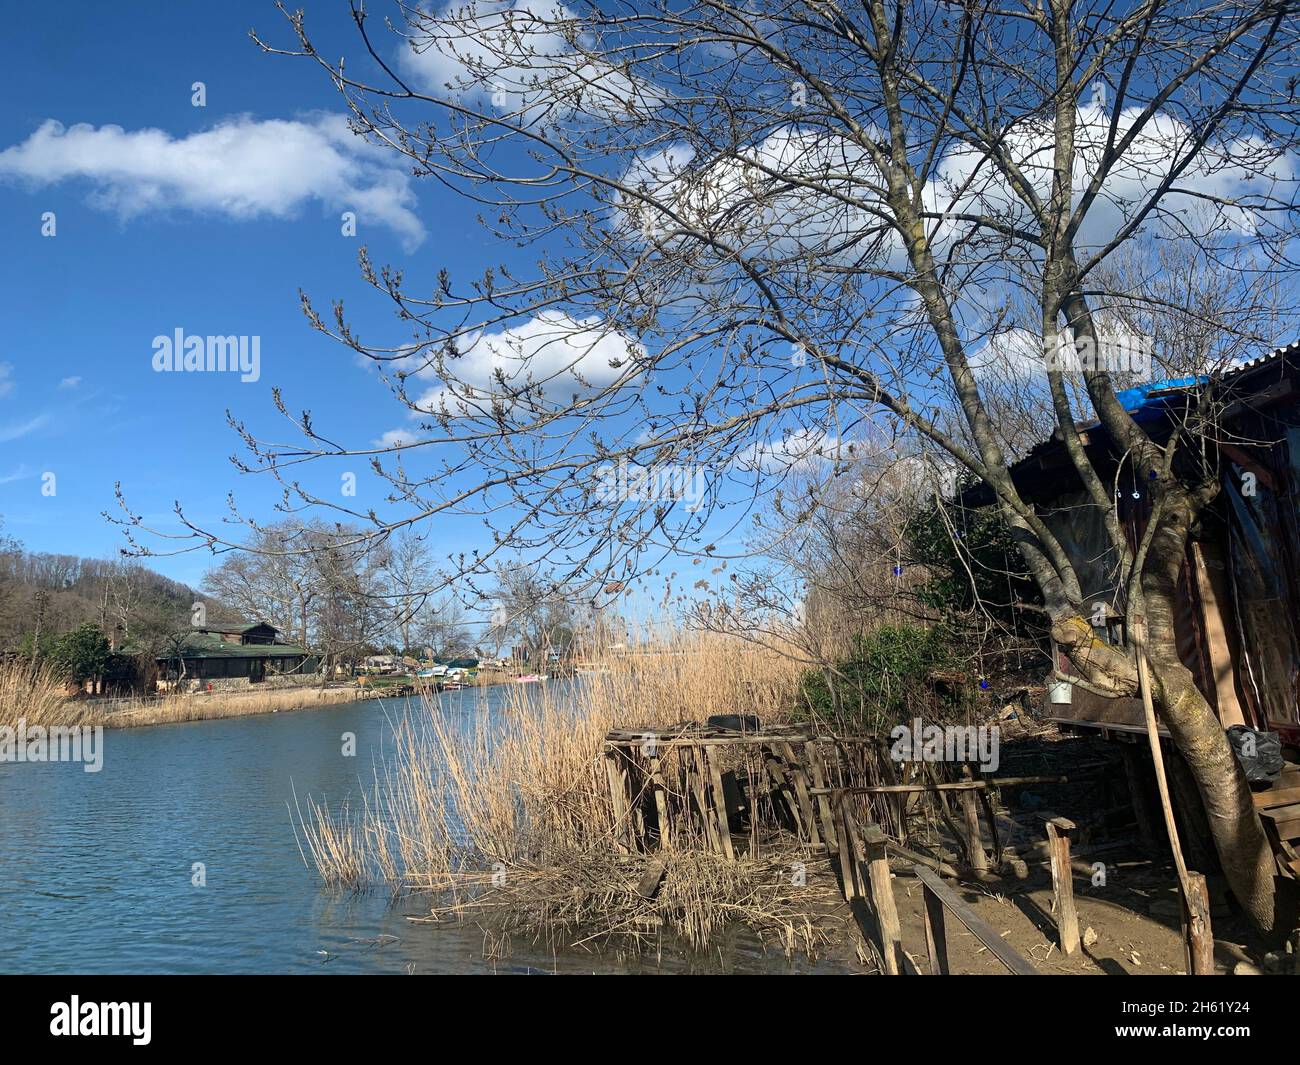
(95, 868)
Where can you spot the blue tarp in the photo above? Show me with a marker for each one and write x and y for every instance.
(1134, 399)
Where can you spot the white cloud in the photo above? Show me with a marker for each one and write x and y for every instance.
(775, 219)
(799, 449)
(17, 430)
(70, 382)
(517, 57)
(241, 168)
(1013, 353)
(396, 438)
(551, 352)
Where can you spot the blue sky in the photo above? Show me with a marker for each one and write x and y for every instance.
(209, 219)
(205, 252)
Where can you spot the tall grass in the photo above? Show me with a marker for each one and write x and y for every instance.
(199, 706)
(35, 698)
(508, 817)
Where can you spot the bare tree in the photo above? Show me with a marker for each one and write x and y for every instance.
(533, 610)
(443, 628)
(765, 226)
(410, 575)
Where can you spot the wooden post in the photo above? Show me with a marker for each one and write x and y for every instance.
(781, 786)
(1067, 919)
(979, 861)
(1196, 927)
(936, 935)
(882, 895)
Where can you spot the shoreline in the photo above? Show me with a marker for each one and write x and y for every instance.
(210, 706)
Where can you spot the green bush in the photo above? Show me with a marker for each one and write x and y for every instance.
(81, 654)
(890, 677)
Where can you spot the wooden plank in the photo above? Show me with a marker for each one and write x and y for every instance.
(1067, 919)
(814, 760)
(848, 867)
(1275, 797)
(1284, 819)
(977, 926)
(1213, 590)
(661, 801)
(781, 785)
(648, 886)
(619, 800)
(719, 803)
(936, 935)
(799, 775)
(693, 761)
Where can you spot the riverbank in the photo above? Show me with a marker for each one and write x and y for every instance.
(40, 700)
(206, 706)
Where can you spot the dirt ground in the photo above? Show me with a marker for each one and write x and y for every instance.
(1126, 897)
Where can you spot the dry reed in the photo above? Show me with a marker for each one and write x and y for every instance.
(36, 698)
(507, 817)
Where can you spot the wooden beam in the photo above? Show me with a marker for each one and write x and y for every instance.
(936, 934)
(976, 925)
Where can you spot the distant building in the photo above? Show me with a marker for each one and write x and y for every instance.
(233, 652)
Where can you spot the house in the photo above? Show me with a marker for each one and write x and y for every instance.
(234, 652)
(1237, 611)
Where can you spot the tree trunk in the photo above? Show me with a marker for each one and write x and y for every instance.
(1243, 850)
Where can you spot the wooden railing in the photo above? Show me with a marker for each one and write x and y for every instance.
(864, 869)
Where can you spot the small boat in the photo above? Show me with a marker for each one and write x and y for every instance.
(530, 678)
(452, 686)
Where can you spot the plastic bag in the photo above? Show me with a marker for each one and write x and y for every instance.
(1260, 753)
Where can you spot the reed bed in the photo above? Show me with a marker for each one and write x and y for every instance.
(40, 699)
(200, 706)
(36, 698)
(506, 818)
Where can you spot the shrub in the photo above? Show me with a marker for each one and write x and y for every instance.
(894, 673)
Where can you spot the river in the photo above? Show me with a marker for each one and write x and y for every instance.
(97, 869)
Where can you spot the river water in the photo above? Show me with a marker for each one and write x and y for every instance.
(97, 869)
